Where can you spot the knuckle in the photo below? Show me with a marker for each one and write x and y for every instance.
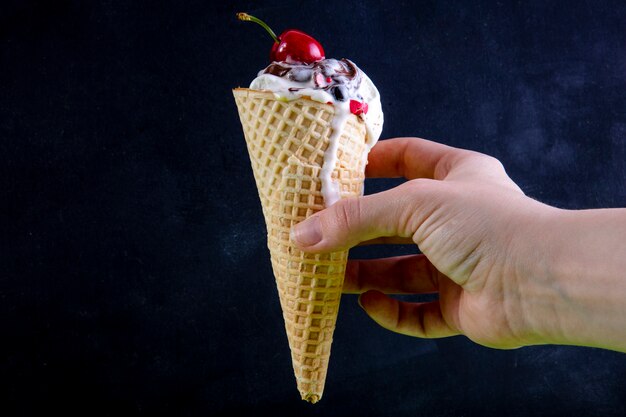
(348, 214)
(492, 162)
(420, 190)
(412, 198)
(487, 161)
(418, 185)
(443, 166)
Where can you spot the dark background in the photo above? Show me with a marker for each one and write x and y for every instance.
(134, 276)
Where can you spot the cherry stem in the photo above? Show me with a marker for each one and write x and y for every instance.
(247, 18)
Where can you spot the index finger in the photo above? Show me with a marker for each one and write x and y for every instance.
(410, 158)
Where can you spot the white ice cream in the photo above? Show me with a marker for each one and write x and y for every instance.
(328, 81)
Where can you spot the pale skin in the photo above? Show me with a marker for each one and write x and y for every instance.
(509, 271)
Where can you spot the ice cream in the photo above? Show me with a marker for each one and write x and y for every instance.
(309, 123)
(337, 82)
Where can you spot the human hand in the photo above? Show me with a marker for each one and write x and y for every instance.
(477, 231)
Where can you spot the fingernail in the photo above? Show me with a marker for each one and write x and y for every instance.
(307, 233)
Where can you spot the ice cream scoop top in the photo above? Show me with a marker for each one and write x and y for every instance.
(338, 82)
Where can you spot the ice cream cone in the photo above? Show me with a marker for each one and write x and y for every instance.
(286, 143)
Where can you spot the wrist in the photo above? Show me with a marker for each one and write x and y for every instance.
(574, 293)
(538, 282)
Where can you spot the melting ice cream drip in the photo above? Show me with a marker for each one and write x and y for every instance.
(330, 188)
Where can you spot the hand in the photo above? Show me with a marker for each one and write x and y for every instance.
(477, 231)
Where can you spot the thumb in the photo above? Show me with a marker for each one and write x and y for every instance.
(352, 220)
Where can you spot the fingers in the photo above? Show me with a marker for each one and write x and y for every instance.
(411, 274)
(420, 158)
(394, 212)
(412, 319)
(411, 158)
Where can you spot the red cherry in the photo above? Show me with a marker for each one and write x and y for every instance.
(358, 108)
(291, 46)
(296, 47)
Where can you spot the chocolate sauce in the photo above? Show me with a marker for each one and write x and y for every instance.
(341, 78)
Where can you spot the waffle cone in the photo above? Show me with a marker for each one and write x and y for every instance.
(286, 143)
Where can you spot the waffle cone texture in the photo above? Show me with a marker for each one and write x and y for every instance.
(286, 143)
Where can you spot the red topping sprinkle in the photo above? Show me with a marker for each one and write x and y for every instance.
(328, 80)
(356, 107)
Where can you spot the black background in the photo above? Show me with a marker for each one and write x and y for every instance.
(134, 276)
